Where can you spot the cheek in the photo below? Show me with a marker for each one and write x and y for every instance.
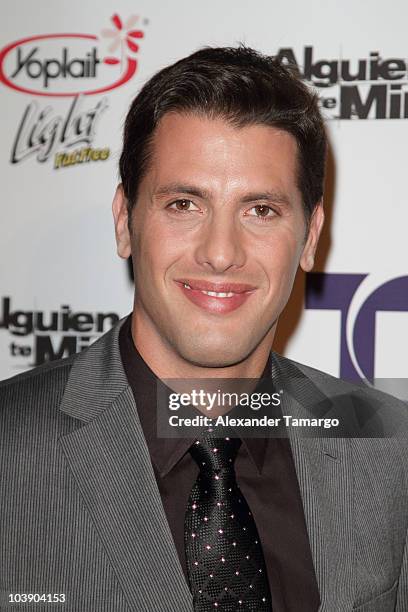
(156, 248)
(279, 259)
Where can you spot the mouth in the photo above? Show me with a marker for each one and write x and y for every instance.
(220, 298)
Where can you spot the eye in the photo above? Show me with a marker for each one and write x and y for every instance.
(262, 212)
(182, 205)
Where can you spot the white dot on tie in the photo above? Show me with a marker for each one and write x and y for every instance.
(216, 477)
(240, 601)
(219, 504)
(244, 528)
(247, 557)
(234, 543)
(263, 598)
(227, 439)
(199, 590)
(220, 531)
(222, 559)
(260, 571)
(206, 519)
(256, 541)
(215, 604)
(211, 575)
(215, 450)
(250, 586)
(194, 506)
(225, 588)
(208, 547)
(195, 562)
(193, 535)
(232, 515)
(237, 573)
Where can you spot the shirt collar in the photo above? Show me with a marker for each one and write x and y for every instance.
(165, 453)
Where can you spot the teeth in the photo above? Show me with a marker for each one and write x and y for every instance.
(213, 293)
(220, 295)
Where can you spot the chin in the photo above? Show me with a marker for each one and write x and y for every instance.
(214, 355)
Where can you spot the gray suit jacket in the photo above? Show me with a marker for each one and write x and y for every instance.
(81, 513)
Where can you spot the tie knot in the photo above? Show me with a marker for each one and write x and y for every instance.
(215, 454)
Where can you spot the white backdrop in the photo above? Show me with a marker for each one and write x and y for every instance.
(57, 253)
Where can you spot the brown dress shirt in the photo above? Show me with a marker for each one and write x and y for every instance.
(266, 475)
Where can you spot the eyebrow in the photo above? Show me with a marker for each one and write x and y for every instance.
(172, 188)
(271, 195)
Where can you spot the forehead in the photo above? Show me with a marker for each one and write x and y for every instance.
(212, 150)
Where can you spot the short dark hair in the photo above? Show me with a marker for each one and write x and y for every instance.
(241, 85)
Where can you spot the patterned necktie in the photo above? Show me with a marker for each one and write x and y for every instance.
(225, 562)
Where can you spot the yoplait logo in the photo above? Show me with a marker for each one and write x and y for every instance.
(68, 64)
(358, 297)
(73, 66)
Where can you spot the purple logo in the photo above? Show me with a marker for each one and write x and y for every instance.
(358, 299)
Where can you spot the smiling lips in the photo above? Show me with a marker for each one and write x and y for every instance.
(216, 297)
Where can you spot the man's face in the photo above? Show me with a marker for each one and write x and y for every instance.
(218, 211)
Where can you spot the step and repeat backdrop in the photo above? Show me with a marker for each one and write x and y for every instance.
(68, 73)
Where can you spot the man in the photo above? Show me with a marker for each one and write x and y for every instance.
(220, 201)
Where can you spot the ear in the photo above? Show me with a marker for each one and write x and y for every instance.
(120, 215)
(315, 228)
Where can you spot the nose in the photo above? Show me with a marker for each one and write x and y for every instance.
(221, 243)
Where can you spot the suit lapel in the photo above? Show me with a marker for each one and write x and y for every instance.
(326, 486)
(324, 471)
(109, 460)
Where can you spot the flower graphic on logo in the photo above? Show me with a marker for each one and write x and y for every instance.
(123, 37)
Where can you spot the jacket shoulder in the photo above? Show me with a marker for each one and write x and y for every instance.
(42, 385)
(295, 368)
(335, 385)
(364, 410)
